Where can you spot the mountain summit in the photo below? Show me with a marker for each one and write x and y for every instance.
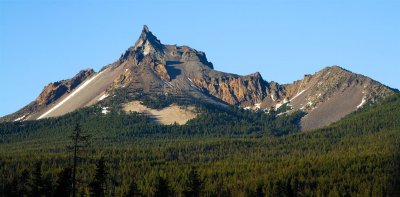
(148, 42)
(150, 69)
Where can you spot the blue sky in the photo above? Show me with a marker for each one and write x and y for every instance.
(44, 41)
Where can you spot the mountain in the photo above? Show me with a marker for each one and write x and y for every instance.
(150, 70)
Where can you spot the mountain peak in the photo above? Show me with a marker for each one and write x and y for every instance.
(145, 29)
(151, 68)
(255, 75)
(147, 40)
(147, 34)
(336, 68)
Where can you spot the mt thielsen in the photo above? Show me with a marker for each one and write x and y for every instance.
(150, 69)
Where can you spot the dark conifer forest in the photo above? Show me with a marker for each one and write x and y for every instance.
(222, 152)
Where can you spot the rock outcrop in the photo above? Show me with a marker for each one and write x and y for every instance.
(152, 68)
(54, 91)
(234, 89)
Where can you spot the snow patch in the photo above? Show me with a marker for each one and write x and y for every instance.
(298, 94)
(272, 97)
(70, 96)
(169, 84)
(104, 110)
(362, 103)
(191, 83)
(147, 48)
(278, 105)
(103, 97)
(20, 118)
(258, 105)
(247, 108)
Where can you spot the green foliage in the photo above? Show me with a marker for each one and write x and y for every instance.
(98, 185)
(194, 184)
(37, 186)
(162, 188)
(284, 108)
(133, 190)
(64, 183)
(154, 101)
(250, 154)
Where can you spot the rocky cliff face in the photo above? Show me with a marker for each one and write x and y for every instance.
(150, 67)
(55, 90)
(233, 89)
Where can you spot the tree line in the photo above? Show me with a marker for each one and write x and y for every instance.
(357, 156)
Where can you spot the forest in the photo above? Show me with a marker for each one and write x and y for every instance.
(222, 152)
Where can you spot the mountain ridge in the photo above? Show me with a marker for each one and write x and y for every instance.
(179, 71)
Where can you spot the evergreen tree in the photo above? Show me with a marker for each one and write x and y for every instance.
(259, 191)
(10, 188)
(37, 184)
(133, 190)
(79, 142)
(24, 184)
(47, 189)
(98, 185)
(277, 189)
(64, 183)
(162, 188)
(194, 184)
(288, 188)
(294, 186)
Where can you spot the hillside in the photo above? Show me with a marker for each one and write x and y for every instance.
(232, 151)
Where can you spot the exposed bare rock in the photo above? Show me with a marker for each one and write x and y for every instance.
(234, 89)
(161, 71)
(55, 90)
(169, 115)
(152, 68)
(332, 93)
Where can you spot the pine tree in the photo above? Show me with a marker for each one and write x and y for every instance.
(162, 188)
(47, 189)
(24, 184)
(288, 188)
(277, 189)
(259, 191)
(194, 184)
(37, 184)
(294, 186)
(10, 188)
(133, 190)
(98, 185)
(79, 142)
(64, 183)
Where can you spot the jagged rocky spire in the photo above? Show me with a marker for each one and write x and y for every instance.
(148, 42)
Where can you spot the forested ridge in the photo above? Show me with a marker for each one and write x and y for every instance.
(223, 152)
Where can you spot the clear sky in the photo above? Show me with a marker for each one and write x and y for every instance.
(43, 41)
